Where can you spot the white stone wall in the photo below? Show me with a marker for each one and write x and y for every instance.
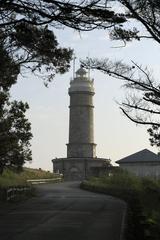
(81, 125)
(142, 169)
(81, 150)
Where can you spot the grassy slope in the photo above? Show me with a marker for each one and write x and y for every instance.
(10, 178)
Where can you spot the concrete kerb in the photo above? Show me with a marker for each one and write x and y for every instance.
(47, 180)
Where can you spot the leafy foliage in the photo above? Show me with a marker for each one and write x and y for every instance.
(15, 133)
(9, 70)
(28, 48)
(26, 31)
(146, 13)
(154, 133)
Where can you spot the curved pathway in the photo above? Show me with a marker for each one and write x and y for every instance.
(62, 211)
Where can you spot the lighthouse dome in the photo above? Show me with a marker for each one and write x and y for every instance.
(81, 72)
(81, 82)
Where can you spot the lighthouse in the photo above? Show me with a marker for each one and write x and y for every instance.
(81, 161)
(81, 122)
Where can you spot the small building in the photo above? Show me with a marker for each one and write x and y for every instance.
(142, 163)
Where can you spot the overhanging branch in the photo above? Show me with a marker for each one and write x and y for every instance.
(138, 121)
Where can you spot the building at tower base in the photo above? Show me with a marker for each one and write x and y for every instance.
(81, 161)
(80, 168)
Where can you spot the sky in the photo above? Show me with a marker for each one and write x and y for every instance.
(115, 136)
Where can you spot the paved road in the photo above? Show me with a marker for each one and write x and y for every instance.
(63, 212)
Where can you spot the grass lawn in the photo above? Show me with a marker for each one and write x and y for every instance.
(10, 178)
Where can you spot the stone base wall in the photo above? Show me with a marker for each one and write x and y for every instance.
(79, 168)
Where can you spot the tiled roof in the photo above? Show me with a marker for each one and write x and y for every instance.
(142, 156)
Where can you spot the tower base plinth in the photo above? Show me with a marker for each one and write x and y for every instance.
(80, 168)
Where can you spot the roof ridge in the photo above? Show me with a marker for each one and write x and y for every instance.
(144, 155)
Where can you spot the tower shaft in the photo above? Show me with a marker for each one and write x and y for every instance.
(81, 126)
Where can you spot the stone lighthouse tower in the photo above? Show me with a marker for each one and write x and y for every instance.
(81, 161)
(81, 126)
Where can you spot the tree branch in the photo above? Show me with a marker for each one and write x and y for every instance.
(141, 108)
(138, 121)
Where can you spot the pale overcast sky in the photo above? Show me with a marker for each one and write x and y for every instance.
(115, 135)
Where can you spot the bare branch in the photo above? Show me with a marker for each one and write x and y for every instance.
(138, 121)
(140, 108)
